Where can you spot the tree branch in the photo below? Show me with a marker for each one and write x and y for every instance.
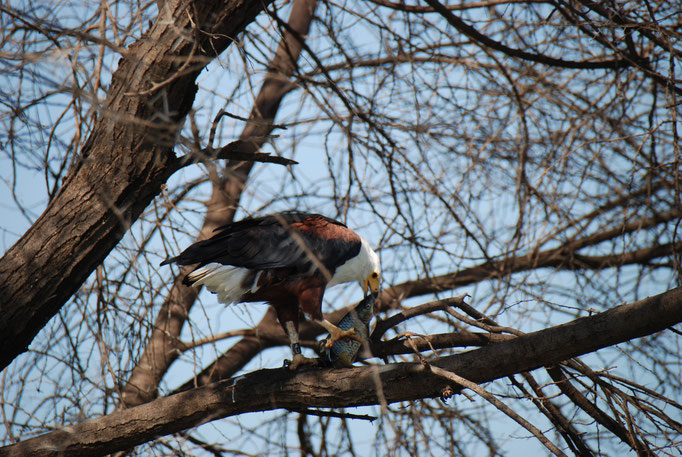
(238, 150)
(563, 257)
(477, 36)
(438, 305)
(492, 399)
(457, 7)
(421, 343)
(271, 389)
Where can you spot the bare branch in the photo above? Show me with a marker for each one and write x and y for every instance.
(563, 257)
(478, 37)
(271, 389)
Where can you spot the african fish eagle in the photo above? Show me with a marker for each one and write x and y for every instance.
(287, 260)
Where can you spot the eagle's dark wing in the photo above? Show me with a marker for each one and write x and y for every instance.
(285, 240)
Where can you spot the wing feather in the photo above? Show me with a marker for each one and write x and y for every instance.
(284, 240)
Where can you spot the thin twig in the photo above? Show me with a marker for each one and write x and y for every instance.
(438, 305)
(267, 122)
(317, 412)
(461, 338)
(484, 326)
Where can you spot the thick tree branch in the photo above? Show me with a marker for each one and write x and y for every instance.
(279, 388)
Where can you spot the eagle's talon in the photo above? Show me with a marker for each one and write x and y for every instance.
(299, 360)
(321, 346)
(349, 334)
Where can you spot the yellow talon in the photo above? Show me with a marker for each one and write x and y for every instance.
(349, 334)
(299, 360)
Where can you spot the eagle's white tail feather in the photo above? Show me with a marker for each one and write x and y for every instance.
(224, 280)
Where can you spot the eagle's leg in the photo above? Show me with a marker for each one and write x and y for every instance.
(297, 358)
(336, 334)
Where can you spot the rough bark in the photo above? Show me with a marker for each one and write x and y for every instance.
(124, 163)
(164, 345)
(271, 389)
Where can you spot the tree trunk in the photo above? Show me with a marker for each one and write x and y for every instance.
(126, 159)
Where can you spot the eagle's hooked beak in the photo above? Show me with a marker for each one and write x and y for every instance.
(370, 284)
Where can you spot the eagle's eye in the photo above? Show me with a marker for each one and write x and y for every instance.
(375, 275)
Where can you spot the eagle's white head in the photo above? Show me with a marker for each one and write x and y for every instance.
(364, 268)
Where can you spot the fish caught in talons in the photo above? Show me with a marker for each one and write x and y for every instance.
(342, 353)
